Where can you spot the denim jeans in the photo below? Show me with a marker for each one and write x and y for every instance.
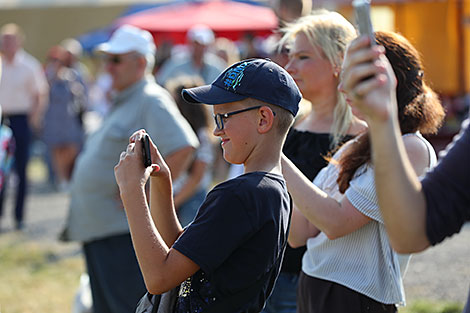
(283, 299)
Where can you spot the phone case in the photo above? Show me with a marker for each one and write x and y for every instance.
(146, 151)
(363, 21)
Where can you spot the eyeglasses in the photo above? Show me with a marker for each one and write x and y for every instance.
(116, 59)
(219, 118)
(113, 59)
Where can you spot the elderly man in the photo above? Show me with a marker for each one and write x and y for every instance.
(96, 214)
(23, 94)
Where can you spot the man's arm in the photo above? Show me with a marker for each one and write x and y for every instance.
(198, 169)
(179, 161)
(398, 189)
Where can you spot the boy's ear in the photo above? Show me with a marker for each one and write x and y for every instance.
(266, 119)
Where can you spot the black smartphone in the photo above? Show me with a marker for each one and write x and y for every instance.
(363, 21)
(146, 157)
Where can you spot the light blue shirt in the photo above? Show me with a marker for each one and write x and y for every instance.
(95, 208)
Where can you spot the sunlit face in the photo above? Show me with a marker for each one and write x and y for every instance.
(311, 70)
(237, 135)
(124, 69)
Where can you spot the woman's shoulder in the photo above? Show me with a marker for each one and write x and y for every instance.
(419, 150)
(414, 142)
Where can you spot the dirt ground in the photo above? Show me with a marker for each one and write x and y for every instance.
(439, 273)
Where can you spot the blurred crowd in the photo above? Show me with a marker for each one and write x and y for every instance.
(72, 93)
(81, 109)
(51, 110)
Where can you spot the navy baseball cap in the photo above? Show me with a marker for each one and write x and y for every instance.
(261, 79)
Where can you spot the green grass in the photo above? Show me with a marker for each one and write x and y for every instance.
(35, 278)
(426, 306)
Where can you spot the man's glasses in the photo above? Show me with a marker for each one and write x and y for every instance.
(115, 59)
(219, 118)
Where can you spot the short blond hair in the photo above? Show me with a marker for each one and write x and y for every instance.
(284, 118)
(330, 33)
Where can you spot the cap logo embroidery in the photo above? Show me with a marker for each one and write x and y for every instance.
(233, 77)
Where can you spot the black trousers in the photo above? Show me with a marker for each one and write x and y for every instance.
(321, 296)
(22, 135)
(115, 278)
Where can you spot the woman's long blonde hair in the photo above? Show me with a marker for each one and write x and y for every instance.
(329, 32)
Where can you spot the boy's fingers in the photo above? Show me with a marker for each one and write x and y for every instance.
(154, 169)
(130, 148)
(122, 155)
(137, 135)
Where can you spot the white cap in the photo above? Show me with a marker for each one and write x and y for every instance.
(127, 39)
(201, 34)
(73, 46)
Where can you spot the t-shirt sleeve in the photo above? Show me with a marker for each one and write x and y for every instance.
(362, 195)
(167, 127)
(220, 227)
(446, 189)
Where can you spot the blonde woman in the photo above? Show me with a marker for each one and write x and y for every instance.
(316, 43)
(350, 266)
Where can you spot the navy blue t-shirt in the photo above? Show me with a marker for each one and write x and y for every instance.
(236, 237)
(446, 189)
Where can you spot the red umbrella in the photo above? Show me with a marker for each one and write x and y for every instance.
(226, 18)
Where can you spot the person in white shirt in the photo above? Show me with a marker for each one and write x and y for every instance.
(23, 94)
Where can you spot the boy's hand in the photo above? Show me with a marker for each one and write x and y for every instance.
(368, 79)
(130, 172)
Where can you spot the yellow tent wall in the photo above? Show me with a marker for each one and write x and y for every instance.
(465, 50)
(440, 30)
(435, 30)
(45, 27)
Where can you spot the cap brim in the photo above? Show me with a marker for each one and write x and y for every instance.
(210, 94)
(113, 49)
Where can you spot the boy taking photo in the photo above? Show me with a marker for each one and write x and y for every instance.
(230, 255)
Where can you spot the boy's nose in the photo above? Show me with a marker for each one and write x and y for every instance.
(217, 132)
